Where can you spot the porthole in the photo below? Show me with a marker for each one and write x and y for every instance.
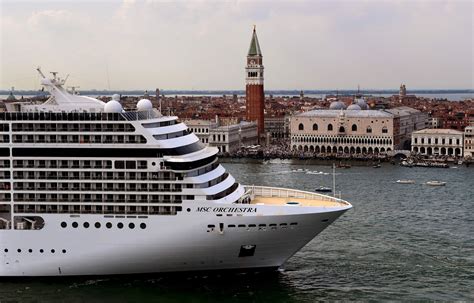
(131, 225)
(5, 250)
(75, 225)
(64, 251)
(97, 224)
(86, 224)
(108, 225)
(142, 225)
(63, 224)
(153, 163)
(53, 251)
(30, 250)
(120, 225)
(18, 250)
(41, 250)
(188, 210)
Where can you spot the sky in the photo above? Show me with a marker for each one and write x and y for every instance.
(202, 45)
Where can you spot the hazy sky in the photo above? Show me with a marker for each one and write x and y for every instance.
(203, 44)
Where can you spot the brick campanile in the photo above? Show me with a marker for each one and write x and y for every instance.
(255, 98)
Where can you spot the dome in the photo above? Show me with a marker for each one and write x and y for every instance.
(354, 107)
(144, 105)
(361, 103)
(116, 97)
(112, 107)
(337, 105)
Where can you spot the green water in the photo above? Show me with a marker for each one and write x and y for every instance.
(399, 242)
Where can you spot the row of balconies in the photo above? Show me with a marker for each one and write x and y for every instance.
(66, 164)
(75, 175)
(72, 127)
(99, 209)
(98, 198)
(107, 139)
(94, 187)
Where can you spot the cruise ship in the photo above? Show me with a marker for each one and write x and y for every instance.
(89, 188)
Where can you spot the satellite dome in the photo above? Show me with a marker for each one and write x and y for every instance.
(116, 97)
(337, 105)
(361, 103)
(113, 107)
(144, 105)
(354, 107)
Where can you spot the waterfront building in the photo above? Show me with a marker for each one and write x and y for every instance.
(227, 138)
(469, 142)
(409, 120)
(355, 130)
(437, 142)
(255, 97)
(201, 128)
(343, 131)
(277, 126)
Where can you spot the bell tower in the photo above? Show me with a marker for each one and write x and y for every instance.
(255, 98)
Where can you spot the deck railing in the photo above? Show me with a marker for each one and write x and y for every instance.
(266, 191)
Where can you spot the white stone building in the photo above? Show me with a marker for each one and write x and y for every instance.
(230, 138)
(227, 138)
(343, 131)
(201, 128)
(437, 142)
(409, 120)
(355, 130)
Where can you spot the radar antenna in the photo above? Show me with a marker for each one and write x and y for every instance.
(40, 72)
(73, 89)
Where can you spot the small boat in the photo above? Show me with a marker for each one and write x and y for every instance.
(341, 165)
(405, 181)
(377, 166)
(436, 183)
(323, 189)
(315, 173)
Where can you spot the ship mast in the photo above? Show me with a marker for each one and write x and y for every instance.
(334, 180)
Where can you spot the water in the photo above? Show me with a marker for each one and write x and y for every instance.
(437, 95)
(399, 242)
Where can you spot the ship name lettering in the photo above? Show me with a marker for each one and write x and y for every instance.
(234, 209)
(204, 209)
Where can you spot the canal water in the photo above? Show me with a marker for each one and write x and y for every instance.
(399, 242)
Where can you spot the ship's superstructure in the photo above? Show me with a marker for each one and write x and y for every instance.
(87, 188)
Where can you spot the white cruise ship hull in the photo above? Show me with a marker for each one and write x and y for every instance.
(168, 244)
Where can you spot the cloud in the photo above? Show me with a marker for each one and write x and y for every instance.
(202, 44)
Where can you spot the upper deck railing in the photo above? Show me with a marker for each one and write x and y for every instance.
(266, 191)
(142, 115)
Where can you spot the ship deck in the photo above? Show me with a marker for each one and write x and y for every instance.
(262, 195)
(301, 201)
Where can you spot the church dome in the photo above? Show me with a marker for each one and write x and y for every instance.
(337, 105)
(361, 103)
(354, 107)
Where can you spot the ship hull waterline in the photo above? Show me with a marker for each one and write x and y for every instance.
(181, 243)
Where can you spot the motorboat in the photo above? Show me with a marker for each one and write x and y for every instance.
(436, 183)
(405, 181)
